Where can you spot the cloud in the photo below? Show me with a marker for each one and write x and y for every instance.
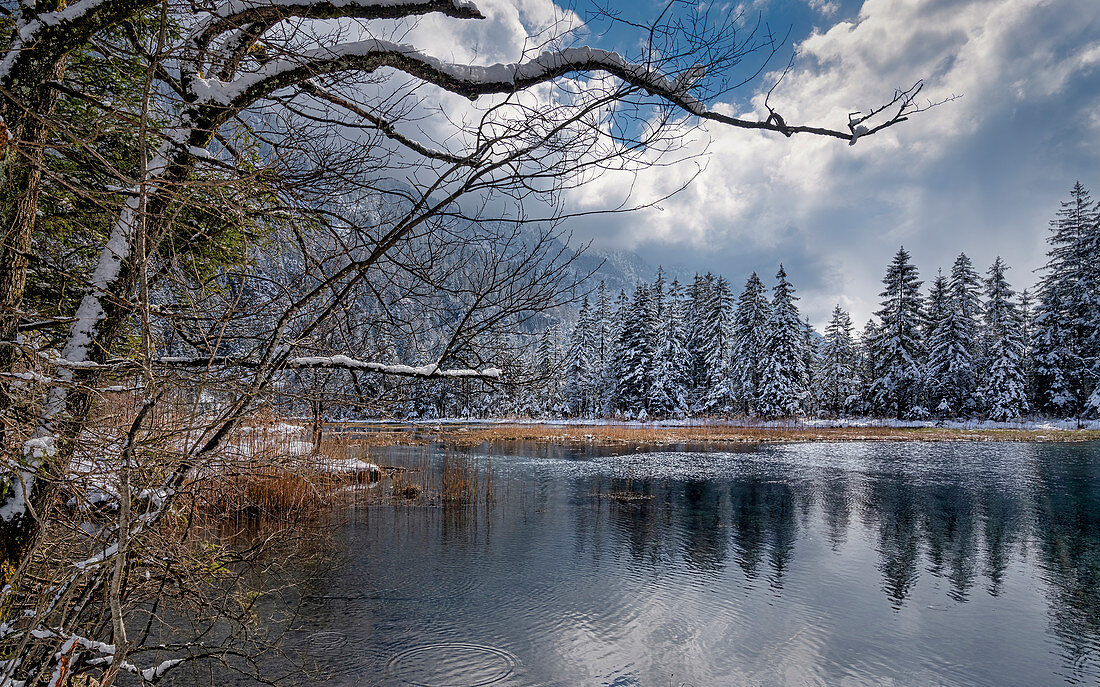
(980, 173)
(826, 8)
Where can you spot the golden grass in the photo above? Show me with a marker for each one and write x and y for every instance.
(259, 489)
(718, 434)
(267, 474)
(268, 469)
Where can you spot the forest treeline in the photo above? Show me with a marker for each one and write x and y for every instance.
(963, 344)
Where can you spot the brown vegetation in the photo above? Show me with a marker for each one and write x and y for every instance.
(268, 470)
(716, 434)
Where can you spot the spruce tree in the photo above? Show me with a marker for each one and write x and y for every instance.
(581, 372)
(900, 346)
(750, 323)
(619, 317)
(605, 335)
(811, 357)
(838, 383)
(1027, 329)
(869, 365)
(548, 360)
(936, 329)
(669, 392)
(721, 396)
(1054, 361)
(635, 356)
(966, 303)
(697, 334)
(954, 346)
(1068, 312)
(1004, 387)
(936, 306)
(783, 382)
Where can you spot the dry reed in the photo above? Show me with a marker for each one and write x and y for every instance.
(717, 434)
(268, 470)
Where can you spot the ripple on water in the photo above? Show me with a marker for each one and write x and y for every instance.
(326, 641)
(453, 664)
(412, 589)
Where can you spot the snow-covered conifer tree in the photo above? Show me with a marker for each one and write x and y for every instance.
(581, 372)
(783, 379)
(605, 336)
(1053, 358)
(634, 363)
(838, 382)
(669, 392)
(699, 335)
(954, 345)
(869, 364)
(750, 321)
(900, 346)
(935, 329)
(549, 356)
(1004, 388)
(1066, 338)
(721, 394)
(965, 288)
(620, 315)
(936, 307)
(811, 356)
(707, 332)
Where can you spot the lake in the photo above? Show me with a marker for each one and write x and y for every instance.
(802, 564)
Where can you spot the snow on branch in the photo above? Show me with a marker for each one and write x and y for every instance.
(473, 81)
(71, 26)
(426, 371)
(468, 80)
(106, 652)
(431, 370)
(237, 13)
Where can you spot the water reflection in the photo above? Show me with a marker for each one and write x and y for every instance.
(849, 564)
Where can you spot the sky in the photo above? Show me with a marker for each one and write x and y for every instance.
(981, 174)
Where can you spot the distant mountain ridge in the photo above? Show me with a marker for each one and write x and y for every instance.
(622, 269)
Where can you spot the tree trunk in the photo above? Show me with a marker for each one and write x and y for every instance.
(20, 181)
(67, 408)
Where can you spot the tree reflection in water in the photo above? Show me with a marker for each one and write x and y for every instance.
(968, 564)
(955, 523)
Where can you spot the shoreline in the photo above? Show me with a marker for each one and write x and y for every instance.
(476, 432)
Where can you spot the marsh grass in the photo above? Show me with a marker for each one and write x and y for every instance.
(623, 490)
(268, 470)
(710, 434)
(451, 479)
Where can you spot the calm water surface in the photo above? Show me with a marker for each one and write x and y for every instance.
(808, 564)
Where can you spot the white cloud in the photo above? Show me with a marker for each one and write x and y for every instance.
(826, 7)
